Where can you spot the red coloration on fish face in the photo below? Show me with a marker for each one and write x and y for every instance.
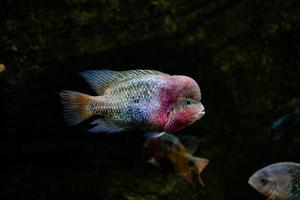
(173, 114)
(183, 119)
(166, 99)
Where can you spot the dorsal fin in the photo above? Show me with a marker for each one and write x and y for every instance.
(100, 80)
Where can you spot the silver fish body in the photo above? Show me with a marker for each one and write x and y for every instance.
(279, 181)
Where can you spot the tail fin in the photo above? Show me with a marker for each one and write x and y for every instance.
(75, 107)
(200, 163)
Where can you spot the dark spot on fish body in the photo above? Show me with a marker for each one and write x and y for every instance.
(145, 93)
(105, 112)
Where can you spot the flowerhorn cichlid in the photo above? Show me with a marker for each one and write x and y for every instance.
(135, 99)
(167, 152)
(280, 181)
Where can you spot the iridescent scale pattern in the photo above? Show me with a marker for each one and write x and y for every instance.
(130, 103)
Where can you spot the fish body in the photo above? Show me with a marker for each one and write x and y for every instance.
(168, 153)
(135, 99)
(285, 123)
(279, 181)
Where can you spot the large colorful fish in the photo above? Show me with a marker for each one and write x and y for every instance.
(279, 181)
(135, 99)
(167, 152)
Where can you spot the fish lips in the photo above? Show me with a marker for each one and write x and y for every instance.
(251, 183)
(201, 114)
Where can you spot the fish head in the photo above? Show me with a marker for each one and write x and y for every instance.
(264, 181)
(186, 103)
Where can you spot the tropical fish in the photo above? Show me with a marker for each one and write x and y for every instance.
(135, 99)
(280, 181)
(285, 123)
(168, 153)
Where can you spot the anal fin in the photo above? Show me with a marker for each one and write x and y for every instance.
(102, 126)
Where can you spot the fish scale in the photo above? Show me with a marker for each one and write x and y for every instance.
(294, 185)
(129, 102)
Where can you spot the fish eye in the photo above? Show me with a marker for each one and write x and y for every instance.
(188, 102)
(263, 181)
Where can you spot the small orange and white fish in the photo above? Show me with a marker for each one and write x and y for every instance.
(279, 181)
(167, 152)
(136, 99)
(2, 68)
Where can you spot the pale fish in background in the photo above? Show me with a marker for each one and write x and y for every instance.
(167, 152)
(280, 181)
(135, 99)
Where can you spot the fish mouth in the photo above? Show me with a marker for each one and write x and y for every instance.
(201, 113)
(251, 183)
(255, 187)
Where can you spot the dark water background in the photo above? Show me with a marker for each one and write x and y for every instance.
(244, 55)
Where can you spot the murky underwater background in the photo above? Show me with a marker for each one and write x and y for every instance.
(244, 55)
